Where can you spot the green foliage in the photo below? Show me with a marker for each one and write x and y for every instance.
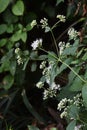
(64, 71)
(71, 125)
(18, 8)
(3, 5)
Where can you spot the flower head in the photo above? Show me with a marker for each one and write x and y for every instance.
(33, 23)
(40, 84)
(36, 44)
(61, 18)
(72, 33)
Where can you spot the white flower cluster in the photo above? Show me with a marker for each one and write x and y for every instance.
(33, 23)
(53, 87)
(36, 44)
(43, 65)
(51, 91)
(19, 58)
(66, 103)
(72, 33)
(47, 71)
(44, 24)
(61, 47)
(40, 84)
(62, 18)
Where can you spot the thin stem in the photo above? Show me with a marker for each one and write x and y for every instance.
(54, 41)
(58, 59)
(73, 71)
(80, 20)
(55, 25)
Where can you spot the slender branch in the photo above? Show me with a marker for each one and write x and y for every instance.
(54, 41)
(58, 59)
(80, 20)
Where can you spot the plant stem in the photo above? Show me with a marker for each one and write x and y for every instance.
(58, 59)
(55, 25)
(54, 41)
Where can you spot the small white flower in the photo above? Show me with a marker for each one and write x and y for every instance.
(63, 114)
(72, 33)
(44, 22)
(36, 44)
(43, 65)
(62, 18)
(40, 84)
(17, 50)
(33, 23)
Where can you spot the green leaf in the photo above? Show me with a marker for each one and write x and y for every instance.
(73, 112)
(84, 56)
(84, 94)
(63, 66)
(8, 82)
(3, 42)
(29, 27)
(3, 28)
(10, 28)
(24, 36)
(72, 76)
(18, 8)
(13, 67)
(3, 5)
(71, 125)
(16, 36)
(30, 127)
(33, 66)
(59, 1)
(76, 85)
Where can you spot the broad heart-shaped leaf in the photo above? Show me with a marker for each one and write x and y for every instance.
(71, 125)
(8, 82)
(18, 8)
(77, 85)
(59, 1)
(84, 94)
(3, 5)
(3, 28)
(30, 127)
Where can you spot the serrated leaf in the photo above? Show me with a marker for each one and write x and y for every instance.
(3, 28)
(8, 82)
(18, 8)
(84, 94)
(3, 5)
(71, 125)
(59, 1)
(30, 127)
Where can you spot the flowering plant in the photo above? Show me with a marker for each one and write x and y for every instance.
(70, 57)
